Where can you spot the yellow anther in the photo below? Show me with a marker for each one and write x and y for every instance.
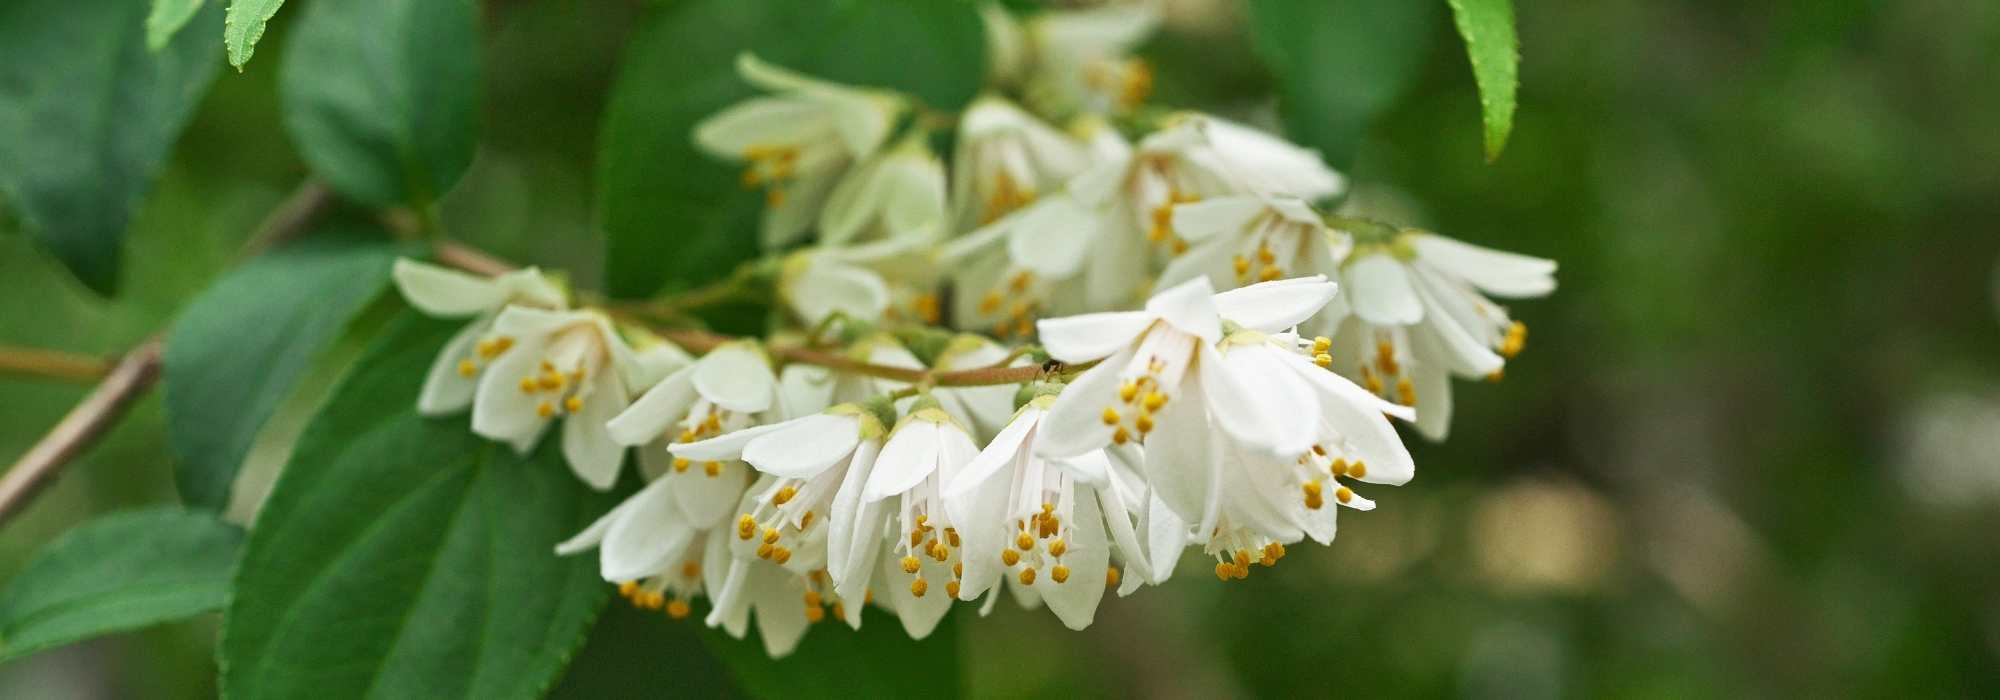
(1128, 392)
(990, 303)
(951, 588)
(770, 535)
(806, 521)
(545, 409)
(1495, 376)
(467, 368)
(1009, 557)
(958, 569)
(1270, 273)
(1154, 400)
(1179, 246)
(812, 599)
(1057, 546)
(573, 404)
(1242, 266)
(923, 522)
(677, 609)
(1272, 553)
(1048, 508)
(1242, 557)
(951, 535)
(1322, 344)
(1241, 570)
(780, 555)
(746, 526)
(939, 552)
(627, 588)
(528, 385)
(1224, 571)
(551, 381)
(1358, 470)
(784, 495)
(1024, 541)
(1323, 360)
(815, 613)
(774, 197)
(839, 610)
(1110, 416)
(764, 550)
(1111, 576)
(681, 465)
(1265, 255)
(1120, 436)
(926, 306)
(1344, 494)
(916, 537)
(1144, 423)
(688, 435)
(1028, 576)
(919, 587)
(1312, 491)
(712, 468)
(1060, 573)
(910, 564)
(1339, 467)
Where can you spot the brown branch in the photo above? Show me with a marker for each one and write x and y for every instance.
(127, 381)
(55, 364)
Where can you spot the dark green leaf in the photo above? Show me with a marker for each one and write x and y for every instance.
(87, 116)
(400, 556)
(672, 213)
(877, 661)
(118, 572)
(240, 347)
(381, 96)
(635, 653)
(166, 20)
(245, 26)
(1488, 29)
(1340, 64)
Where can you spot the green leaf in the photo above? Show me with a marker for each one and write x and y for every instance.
(671, 212)
(87, 117)
(1488, 29)
(167, 19)
(400, 556)
(634, 653)
(240, 348)
(1340, 64)
(877, 661)
(245, 25)
(115, 573)
(381, 96)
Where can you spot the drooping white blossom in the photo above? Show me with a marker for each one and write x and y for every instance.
(726, 390)
(559, 364)
(446, 293)
(1067, 61)
(650, 547)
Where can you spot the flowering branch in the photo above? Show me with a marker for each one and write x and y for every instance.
(54, 364)
(127, 381)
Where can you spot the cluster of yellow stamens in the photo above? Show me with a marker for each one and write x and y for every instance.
(561, 388)
(1019, 319)
(1387, 367)
(1141, 396)
(1129, 81)
(483, 352)
(651, 595)
(1266, 266)
(768, 166)
(936, 543)
(1517, 338)
(817, 600)
(1237, 566)
(1162, 230)
(1042, 530)
(709, 426)
(1007, 196)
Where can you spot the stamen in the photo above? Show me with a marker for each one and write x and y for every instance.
(1060, 573)
(910, 564)
(1111, 577)
(678, 609)
(919, 587)
(1028, 576)
(467, 368)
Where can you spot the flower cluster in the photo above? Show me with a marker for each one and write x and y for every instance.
(1224, 359)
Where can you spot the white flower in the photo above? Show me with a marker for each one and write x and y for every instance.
(1269, 499)
(899, 193)
(1419, 310)
(1241, 239)
(986, 409)
(798, 142)
(1198, 156)
(1048, 525)
(720, 393)
(1077, 60)
(447, 293)
(1154, 357)
(1006, 158)
(819, 462)
(560, 363)
(925, 451)
(648, 546)
(786, 603)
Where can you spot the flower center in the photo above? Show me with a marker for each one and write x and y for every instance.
(483, 353)
(1150, 381)
(558, 385)
(672, 589)
(1017, 301)
(770, 166)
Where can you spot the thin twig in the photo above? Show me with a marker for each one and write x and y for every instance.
(289, 219)
(54, 364)
(128, 380)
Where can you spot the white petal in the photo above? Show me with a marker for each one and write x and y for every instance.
(736, 377)
(849, 519)
(588, 446)
(1075, 423)
(656, 410)
(1433, 386)
(522, 321)
(825, 287)
(978, 513)
(999, 453)
(919, 616)
(441, 291)
(1075, 601)
(804, 390)
(1354, 414)
(445, 390)
(647, 540)
(500, 410)
(760, 122)
(1456, 346)
(1214, 259)
(805, 447)
(1091, 336)
(910, 456)
(731, 601)
(1498, 272)
(1255, 401)
(781, 619)
(1189, 307)
(1124, 538)
(1196, 221)
(708, 500)
(1049, 238)
(1274, 306)
(1379, 290)
(1091, 468)
(1166, 538)
(728, 445)
(1182, 456)
(593, 535)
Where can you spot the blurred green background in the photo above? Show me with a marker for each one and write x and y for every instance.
(1753, 448)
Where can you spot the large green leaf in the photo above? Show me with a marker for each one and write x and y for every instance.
(1488, 29)
(118, 572)
(245, 26)
(671, 213)
(400, 556)
(87, 116)
(240, 348)
(1341, 63)
(382, 96)
(877, 661)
